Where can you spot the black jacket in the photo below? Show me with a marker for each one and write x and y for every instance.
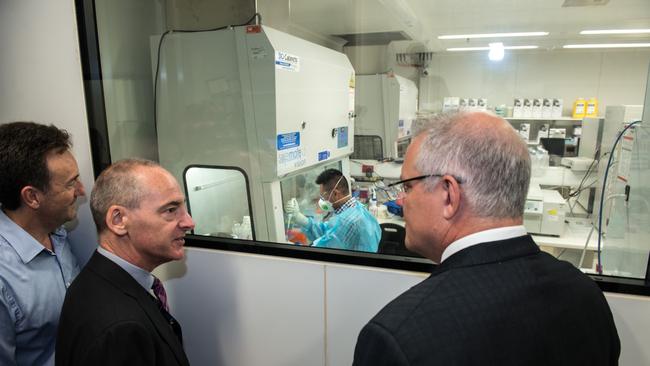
(496, 303)
(109, 319)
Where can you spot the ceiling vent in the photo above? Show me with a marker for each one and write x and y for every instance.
(373, 39)
(416, 59)
(570, 3)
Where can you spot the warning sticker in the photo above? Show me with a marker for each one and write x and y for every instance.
(287, 61)
(288, 140)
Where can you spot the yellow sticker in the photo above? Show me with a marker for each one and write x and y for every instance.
(352, 81)
(552, 212)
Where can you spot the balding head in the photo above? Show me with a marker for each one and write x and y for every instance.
(485, 152)
(119, 184)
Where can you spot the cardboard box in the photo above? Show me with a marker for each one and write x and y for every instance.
(518, 108)
(462, 104)
(528, 108)
(524, 131)
(481, 104)
(537, 108)
(557, 108)
(471, 104)
(547, 108)
(450, 104)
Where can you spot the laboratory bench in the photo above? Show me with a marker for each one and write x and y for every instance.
(568, 246)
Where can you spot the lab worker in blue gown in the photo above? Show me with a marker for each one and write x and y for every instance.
(347, 225)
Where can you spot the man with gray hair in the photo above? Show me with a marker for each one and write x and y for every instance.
(116, 311)
(494, 298)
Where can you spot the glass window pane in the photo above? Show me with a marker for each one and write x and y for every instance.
(331, 84)
(218, 201)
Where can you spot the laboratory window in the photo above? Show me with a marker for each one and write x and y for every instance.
(248, 106)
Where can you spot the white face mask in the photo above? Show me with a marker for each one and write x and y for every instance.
(327, 205)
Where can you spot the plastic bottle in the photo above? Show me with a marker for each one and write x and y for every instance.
(372, 205)
(247, 232)
(592, 107)
(236, 230)
(372, 208)
(579, 108)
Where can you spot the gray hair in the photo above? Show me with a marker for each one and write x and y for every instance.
(117, 185)
(493, 165)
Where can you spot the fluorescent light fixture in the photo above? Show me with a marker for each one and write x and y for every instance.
(496, 51)
(616, 31)
(488, 48)
(493, 35)
(607, 45)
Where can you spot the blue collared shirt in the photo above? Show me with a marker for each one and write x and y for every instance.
(33, 282)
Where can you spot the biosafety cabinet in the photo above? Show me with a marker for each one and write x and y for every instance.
(385, 107)
(247, 118)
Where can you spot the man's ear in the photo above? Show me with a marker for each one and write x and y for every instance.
(451, 189)
(31, 196)
(116, 220)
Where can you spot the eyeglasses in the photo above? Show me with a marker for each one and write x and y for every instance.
(402, 188)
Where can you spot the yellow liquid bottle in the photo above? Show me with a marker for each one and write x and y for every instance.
(579, 108)
(592, 108)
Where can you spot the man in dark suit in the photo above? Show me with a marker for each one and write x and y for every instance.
(116, 312)
(494, 298)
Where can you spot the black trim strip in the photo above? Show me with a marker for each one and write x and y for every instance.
(311, 253)
(93, 84)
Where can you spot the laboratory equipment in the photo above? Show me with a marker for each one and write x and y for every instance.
(385, 106)
(625, 213)
(272, 109)
(578, 163)
(616, 118)
(544, 211)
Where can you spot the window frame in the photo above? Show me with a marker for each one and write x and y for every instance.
(101, 158)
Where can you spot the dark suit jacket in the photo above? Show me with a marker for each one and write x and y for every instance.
(496, 303)
(109, 319)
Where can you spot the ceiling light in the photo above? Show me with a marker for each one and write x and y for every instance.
(496, 51)
(607, 45)
(488, 48)
(493, 35)
(616, 31)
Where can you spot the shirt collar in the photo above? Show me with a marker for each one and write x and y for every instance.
(485, 236)
(349, 203)
(144, 278)
(23, 242)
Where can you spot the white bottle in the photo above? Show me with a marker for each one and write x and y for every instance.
(372, 208)
(246, 229)
(372, 205)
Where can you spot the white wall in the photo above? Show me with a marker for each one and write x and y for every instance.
(612, 76)
(41, 81)
(242, 309)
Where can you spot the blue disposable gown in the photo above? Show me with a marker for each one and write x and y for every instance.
(352, 229)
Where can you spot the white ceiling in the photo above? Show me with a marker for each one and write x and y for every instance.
(424, 20)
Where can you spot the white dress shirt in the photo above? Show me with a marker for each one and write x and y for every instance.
(502, 233)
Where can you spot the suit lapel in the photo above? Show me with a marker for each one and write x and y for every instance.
(114, 274)
(495, 251)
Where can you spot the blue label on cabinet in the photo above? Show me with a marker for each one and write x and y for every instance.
(342, 140)
(323, 155)
(288, 140)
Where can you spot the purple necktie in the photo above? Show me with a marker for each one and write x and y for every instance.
(160, 293)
